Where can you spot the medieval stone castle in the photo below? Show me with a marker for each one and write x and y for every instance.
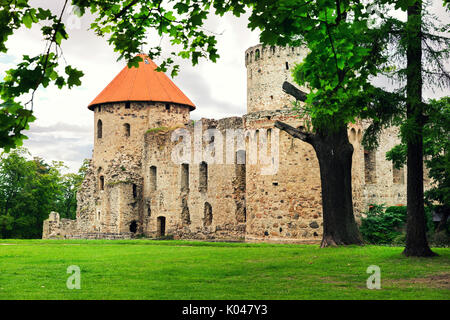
(134, 188)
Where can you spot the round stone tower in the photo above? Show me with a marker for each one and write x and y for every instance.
(136, 100)
(267, 69)
(110, 201)
(286, 204)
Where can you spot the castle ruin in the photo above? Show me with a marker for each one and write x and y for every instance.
(134, 188)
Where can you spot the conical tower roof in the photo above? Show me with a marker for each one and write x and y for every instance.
(142, 84)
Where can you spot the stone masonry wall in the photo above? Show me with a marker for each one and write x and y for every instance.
(185, 206)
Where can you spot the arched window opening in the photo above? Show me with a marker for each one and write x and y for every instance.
(168, 107)
(102, 183)
(133, 226)
(257, 146)
(153, 172)
(99, 129)
(99, 108)
(257, 55)
(203, 177)
(127, 129)
(207, 215)
(161, 226)
(287, 65)
(272, 49)
(127, 105)
(352, 136)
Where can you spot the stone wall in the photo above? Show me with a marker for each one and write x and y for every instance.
(381, 185)
(287, 205)
(192, 204)
(56, 228)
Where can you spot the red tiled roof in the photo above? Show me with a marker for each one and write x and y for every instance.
(142, 84)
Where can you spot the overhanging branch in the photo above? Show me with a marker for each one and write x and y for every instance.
(294, 132)
(293, 91)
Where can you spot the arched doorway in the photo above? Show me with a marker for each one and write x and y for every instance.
(161, 227)
(133, 227)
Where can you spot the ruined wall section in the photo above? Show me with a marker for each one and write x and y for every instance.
(56, 228)
(267, 69)
(192, 206)
(355, 135)
(383, 184)
(110, 199)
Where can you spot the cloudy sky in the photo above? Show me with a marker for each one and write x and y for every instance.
(64, 126)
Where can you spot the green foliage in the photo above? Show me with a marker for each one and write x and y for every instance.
(32, 72)
(30, 190)
(382, 226)
(344, 50)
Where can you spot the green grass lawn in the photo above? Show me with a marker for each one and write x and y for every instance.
(144, 269)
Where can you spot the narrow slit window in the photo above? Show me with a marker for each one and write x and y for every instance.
(203, 178)
(184, 177)
(99, 129)
(102, 183)
(257, 55)
(207, 215)
(127, 129)
(134, 191)
(153, 172)
(370, 166)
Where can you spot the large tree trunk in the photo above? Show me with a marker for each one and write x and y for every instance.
(334, 153)
(416, 239)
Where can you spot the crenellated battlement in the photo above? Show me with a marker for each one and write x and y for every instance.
(260, 53)
(267, 69)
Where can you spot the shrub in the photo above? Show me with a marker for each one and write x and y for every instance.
(382, 226)
(400, 240)
(388, 225)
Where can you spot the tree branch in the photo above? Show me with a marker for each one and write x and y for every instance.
(296, 133)
(293, 91)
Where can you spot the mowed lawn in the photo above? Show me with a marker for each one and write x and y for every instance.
(145, 269)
